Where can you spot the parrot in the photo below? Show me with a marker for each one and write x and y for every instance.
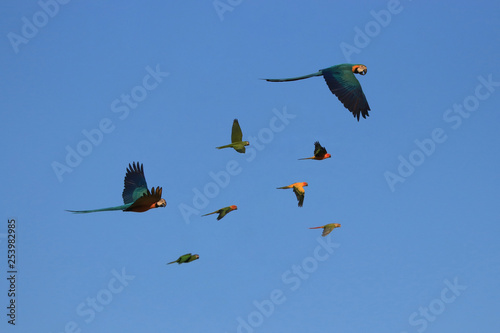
(223, 211)
(188, 257)
(136, 195)
(342, 82)
(327, 228)
(298, 189)
(319, 153)
(236, 137)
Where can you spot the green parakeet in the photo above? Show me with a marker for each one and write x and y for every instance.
(223, 211)
(327, 228)
(236, 139)
(188, 257)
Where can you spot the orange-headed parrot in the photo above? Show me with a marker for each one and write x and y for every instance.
(185, 258)
(223, 211)
(327, 228)
(298, 189)
(236, 139)
(342, 82)
(319, 153)
(136, 195)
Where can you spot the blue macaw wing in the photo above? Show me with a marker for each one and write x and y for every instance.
(145, 202)
(135, 183)
(346, 87)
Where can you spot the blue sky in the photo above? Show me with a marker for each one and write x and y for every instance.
(415, 186)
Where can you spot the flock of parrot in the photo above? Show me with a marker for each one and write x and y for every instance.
(340, 79)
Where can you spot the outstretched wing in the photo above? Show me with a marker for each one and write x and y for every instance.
(342, 82)
(327, 229)
(319, 151)
(236, 134)
(135, 183)
(145, 202)
(300, 193)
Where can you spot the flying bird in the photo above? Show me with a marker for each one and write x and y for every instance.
(327, 228)
(223, 211)
(298, 189)
(236, 139)
(342, 82)
(136, 195)
(188, 257)
(319, 153)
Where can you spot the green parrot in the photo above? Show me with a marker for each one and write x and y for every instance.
(188, 257)
(223, 211)
(320, 153)
(136, 195)
(327, 228)
(342, 82)
(236, 139)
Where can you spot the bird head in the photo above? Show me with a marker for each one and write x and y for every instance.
(161, 203)
(337, 225)
(246, 143)
(234, 207)
(305, 184)
(328, 155)
(196, 256)
(359, 69)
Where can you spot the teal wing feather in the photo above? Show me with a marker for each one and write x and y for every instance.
(342, 82)
(319, 151)
(135, 183)
(236, 134)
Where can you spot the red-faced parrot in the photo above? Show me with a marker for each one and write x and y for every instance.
(188, 257)
(342, 82)
(136, 195)
(327, 228)
(236, 139)
(298, 189)
(319, 153)
(223, 211)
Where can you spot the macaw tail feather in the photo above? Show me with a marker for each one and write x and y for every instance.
(122, 207)
(295, 78)
(283, 188)
(316, 228)
(209, 213)
(226, 146)
(307, 158)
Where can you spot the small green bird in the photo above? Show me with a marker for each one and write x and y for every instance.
(327, 228)
(188, 257)
(319, 153)
(342, 82)
(236, 139)
(223, 211)
(136, 195)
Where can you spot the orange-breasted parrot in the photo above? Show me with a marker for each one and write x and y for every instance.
(136, 195)
(223, 211)
(298, 189)
(319, 153)
(327, 228)
(188, 257)
(342, 82)
(236, 139)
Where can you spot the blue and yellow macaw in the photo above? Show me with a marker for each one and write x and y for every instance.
(136, 195)
(342, 82)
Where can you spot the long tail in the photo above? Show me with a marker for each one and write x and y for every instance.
(210, 213)
(173, 262)
(122, 207)
(317, 227)
(226, 146)
(295, 78)
(283, 188)
(307, 158)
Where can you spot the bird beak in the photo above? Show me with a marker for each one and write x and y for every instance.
(363, 71)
